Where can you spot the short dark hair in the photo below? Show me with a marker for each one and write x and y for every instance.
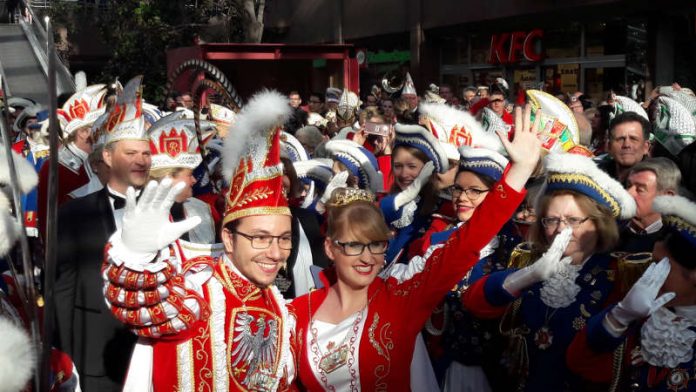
(626, 117)
(294, 92)
(317, 95)
(681, 250)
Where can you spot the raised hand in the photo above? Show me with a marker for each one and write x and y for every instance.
(411, 191)
(146, 225)
(524, 150)
(548, 265)
(642, 299)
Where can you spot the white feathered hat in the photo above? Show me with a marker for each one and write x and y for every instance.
(580, 174)
(455, 128)
(678, 214)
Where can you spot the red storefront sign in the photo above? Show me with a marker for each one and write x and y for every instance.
(509, 48)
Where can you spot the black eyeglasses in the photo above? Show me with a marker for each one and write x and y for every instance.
(551, 222)
(354, 248)
(471, 193)
(264, 241)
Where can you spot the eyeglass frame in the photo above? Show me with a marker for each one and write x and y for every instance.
(460, 190)
(342, 245)
(272, 237)
(567, 221)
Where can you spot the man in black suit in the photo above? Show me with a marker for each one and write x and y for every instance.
(99, 345)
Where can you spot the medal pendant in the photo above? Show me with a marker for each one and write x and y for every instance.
(334, 359)
(543, 338)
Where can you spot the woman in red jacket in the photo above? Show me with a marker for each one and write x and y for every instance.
(358, 332)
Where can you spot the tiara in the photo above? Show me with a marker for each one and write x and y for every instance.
(345, 196)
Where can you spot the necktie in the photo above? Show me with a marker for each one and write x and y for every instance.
(119, 202)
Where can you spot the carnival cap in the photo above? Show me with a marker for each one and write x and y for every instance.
(673, 125)
(361, 163)
(455, 128)
(251, 159)
(685, 99)
(560, 131)
(625, 104)
(482, 161)
(125, 120)
(347, 105)
(492, 122)
(333, 94)
(174, 145)
(223, 118)
(291, 148)
(418, 137)
(316, 173)
(84, 108)
(409, 87)
(678, 214)
(151, 113)
(580, 174)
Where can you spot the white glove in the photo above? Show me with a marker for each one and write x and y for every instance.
(411, 191)
(340, 180)
(146, 225)
(642, 300)
(547, 265)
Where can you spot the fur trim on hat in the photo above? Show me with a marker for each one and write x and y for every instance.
(9, 226)
(578, 164)
(26, 175)
(402, 132)
(471, 152)
(17, 357)
(676, 205)
(265, 110)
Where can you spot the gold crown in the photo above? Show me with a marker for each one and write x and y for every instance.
(344, 196)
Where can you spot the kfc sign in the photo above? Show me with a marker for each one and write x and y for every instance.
(508, 48)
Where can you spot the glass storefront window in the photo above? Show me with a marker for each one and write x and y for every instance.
(455, 51)
(480, 46)
(605, 38)
(562, 42)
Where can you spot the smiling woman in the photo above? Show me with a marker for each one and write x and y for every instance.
(358, 331)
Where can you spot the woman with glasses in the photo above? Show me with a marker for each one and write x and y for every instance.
(462, 347)
(358, 332)
(546, 303)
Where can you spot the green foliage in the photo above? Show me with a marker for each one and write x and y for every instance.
(139, 34)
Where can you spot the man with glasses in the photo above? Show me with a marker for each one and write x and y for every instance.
(495, 100)
(224, 323)
(316, 104)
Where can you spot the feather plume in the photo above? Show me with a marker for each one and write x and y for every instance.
(80, 80)
(265, 110)
(17, 358)
(26, 175)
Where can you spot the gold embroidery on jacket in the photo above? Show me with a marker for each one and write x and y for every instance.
(383, 343)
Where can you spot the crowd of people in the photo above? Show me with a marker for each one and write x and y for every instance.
(394, 241)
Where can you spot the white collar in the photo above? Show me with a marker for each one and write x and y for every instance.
(650, 229)
(666, 340)
(115, 193)
(560, 289)
(77, 151)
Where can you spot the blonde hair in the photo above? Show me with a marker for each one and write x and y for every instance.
(361, 218)
(159, 174)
